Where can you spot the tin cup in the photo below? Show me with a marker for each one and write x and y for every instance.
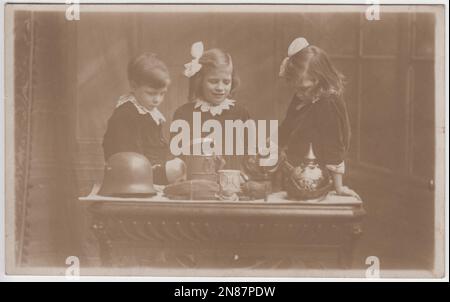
(230, 183)
(203, 166)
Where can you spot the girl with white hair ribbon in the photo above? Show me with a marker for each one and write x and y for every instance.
(317, 114)
(212, 81)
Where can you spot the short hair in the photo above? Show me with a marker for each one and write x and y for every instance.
(211, 59)
(147, 69)
(314, 62)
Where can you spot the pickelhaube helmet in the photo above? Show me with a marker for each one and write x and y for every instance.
(127, 174)
(309, 180)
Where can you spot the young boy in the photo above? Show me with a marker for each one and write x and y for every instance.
(136, 123)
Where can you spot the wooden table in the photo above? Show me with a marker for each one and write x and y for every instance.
(277, 233)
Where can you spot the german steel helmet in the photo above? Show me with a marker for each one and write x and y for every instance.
(309, 180)
(127, 174)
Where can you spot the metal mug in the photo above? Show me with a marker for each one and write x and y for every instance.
(204, 166)
(230, 182)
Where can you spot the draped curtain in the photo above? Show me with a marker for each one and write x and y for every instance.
(45, 187)
(23, 77)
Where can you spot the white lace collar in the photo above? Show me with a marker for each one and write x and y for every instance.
(214, 109)
(156, 115)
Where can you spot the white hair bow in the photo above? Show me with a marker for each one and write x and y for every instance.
(296, 45)
(194, 66)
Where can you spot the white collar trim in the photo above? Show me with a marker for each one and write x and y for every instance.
(155, 114)
(214, 109)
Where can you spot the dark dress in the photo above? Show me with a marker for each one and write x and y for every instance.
(323, 123)
(130, 131)
(235, 112)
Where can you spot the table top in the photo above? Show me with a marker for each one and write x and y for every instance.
(275, 198)
(277, 203)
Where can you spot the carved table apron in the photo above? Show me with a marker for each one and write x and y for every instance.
(277, 233)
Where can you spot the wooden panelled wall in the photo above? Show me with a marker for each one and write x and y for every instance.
(389, 65)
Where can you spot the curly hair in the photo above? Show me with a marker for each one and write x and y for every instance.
(314, 62)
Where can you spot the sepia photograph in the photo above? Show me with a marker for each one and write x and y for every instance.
(225, 140)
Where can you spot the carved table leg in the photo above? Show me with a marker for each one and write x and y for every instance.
(104, 241)
(347, 249)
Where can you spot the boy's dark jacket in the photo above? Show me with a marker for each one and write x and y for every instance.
(130, 131)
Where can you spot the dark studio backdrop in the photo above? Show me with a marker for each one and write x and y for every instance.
(69, 75)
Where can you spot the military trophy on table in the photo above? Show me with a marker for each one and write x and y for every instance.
(307, 181)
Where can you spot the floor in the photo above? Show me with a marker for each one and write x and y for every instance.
(398, 228)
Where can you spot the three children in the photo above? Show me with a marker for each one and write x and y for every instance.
(317, 113)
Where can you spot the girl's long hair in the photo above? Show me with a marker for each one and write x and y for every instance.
(314, 62)
(211, 59)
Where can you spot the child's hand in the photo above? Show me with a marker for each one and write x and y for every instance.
(175, 170)
(346, 191)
